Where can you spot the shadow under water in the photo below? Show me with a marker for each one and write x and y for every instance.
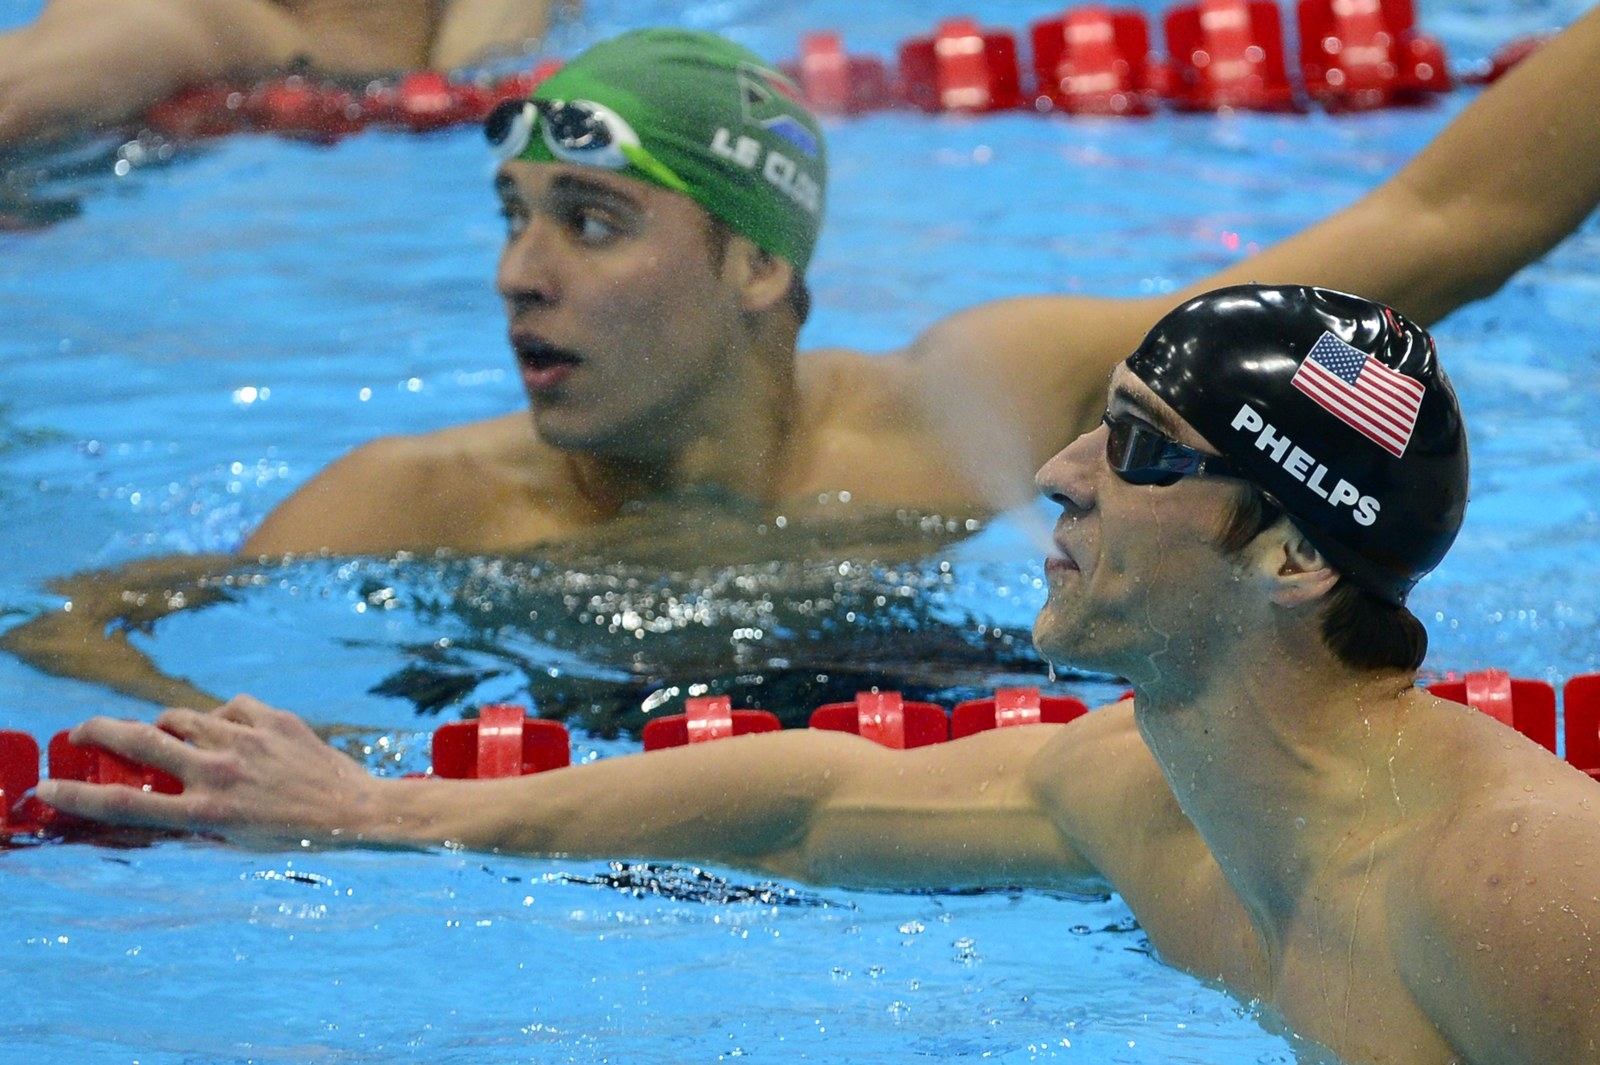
(781, 616)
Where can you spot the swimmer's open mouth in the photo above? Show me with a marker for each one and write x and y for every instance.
(537, 355)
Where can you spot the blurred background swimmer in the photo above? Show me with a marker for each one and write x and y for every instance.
(86, 67)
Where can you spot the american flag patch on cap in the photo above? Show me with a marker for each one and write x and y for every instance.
(1377, 402)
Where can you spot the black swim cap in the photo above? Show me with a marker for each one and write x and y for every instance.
(1333, 404)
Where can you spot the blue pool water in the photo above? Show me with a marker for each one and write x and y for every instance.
(203, 335)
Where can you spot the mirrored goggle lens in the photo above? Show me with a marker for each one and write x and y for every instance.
(1143, 456)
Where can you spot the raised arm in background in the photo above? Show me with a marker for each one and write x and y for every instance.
(1505, 181)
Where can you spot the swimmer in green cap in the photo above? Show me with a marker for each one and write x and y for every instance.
(663, 194)
(1387, 875)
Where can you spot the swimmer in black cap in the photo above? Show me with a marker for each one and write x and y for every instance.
(1397, 878)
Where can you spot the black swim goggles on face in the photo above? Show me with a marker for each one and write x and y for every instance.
(1139, 454)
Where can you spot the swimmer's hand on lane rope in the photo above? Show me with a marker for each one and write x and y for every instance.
(250, 772)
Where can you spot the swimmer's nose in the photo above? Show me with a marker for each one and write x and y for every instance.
(527, 275)
(1068, 478)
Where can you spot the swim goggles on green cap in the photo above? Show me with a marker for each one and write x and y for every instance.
(575, 131)
(687, 111)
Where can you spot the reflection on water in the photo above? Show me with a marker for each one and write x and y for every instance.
(47, 186)
(788, 617)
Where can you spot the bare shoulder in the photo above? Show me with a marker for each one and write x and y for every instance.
(1495, 905)
(1108, 788)
(409, 463)
(1113, 803)
(411, 491)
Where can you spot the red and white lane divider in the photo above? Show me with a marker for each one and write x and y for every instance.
(1096, 60)
(504, 742)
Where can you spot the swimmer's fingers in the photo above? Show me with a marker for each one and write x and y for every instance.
(248, 771)
(242, 724)
(136, 740)
(199, 771)
(118, 804)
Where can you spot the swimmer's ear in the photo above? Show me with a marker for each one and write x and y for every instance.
(1296, 572)
(763, 278)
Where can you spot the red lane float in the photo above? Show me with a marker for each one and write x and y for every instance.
(1529, 706)
(1092, 59)
(1363, 54)
(961, 68)
(504, 742)
(1580, 701)
(20, 813)
(308, 109)
(836, 83)
(705, 718)
(887, 719)
(1013, 706)
(1228, 54)
(1096, 61)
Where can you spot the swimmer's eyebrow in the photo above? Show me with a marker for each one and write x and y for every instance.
(577, 186)
(1162, 420)
(571, 187)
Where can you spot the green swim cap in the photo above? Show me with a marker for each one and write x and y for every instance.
(691, 112)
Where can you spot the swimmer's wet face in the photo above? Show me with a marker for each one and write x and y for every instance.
(628, 339)
(1136, 561)
(624, 336)
(686, 111)
(1334, 404)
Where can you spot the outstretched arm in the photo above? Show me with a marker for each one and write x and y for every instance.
(812, 805)
(1515, 172)
(1503, 183)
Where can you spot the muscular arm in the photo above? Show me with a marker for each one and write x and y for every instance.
(813, 805)
(1501, 185)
